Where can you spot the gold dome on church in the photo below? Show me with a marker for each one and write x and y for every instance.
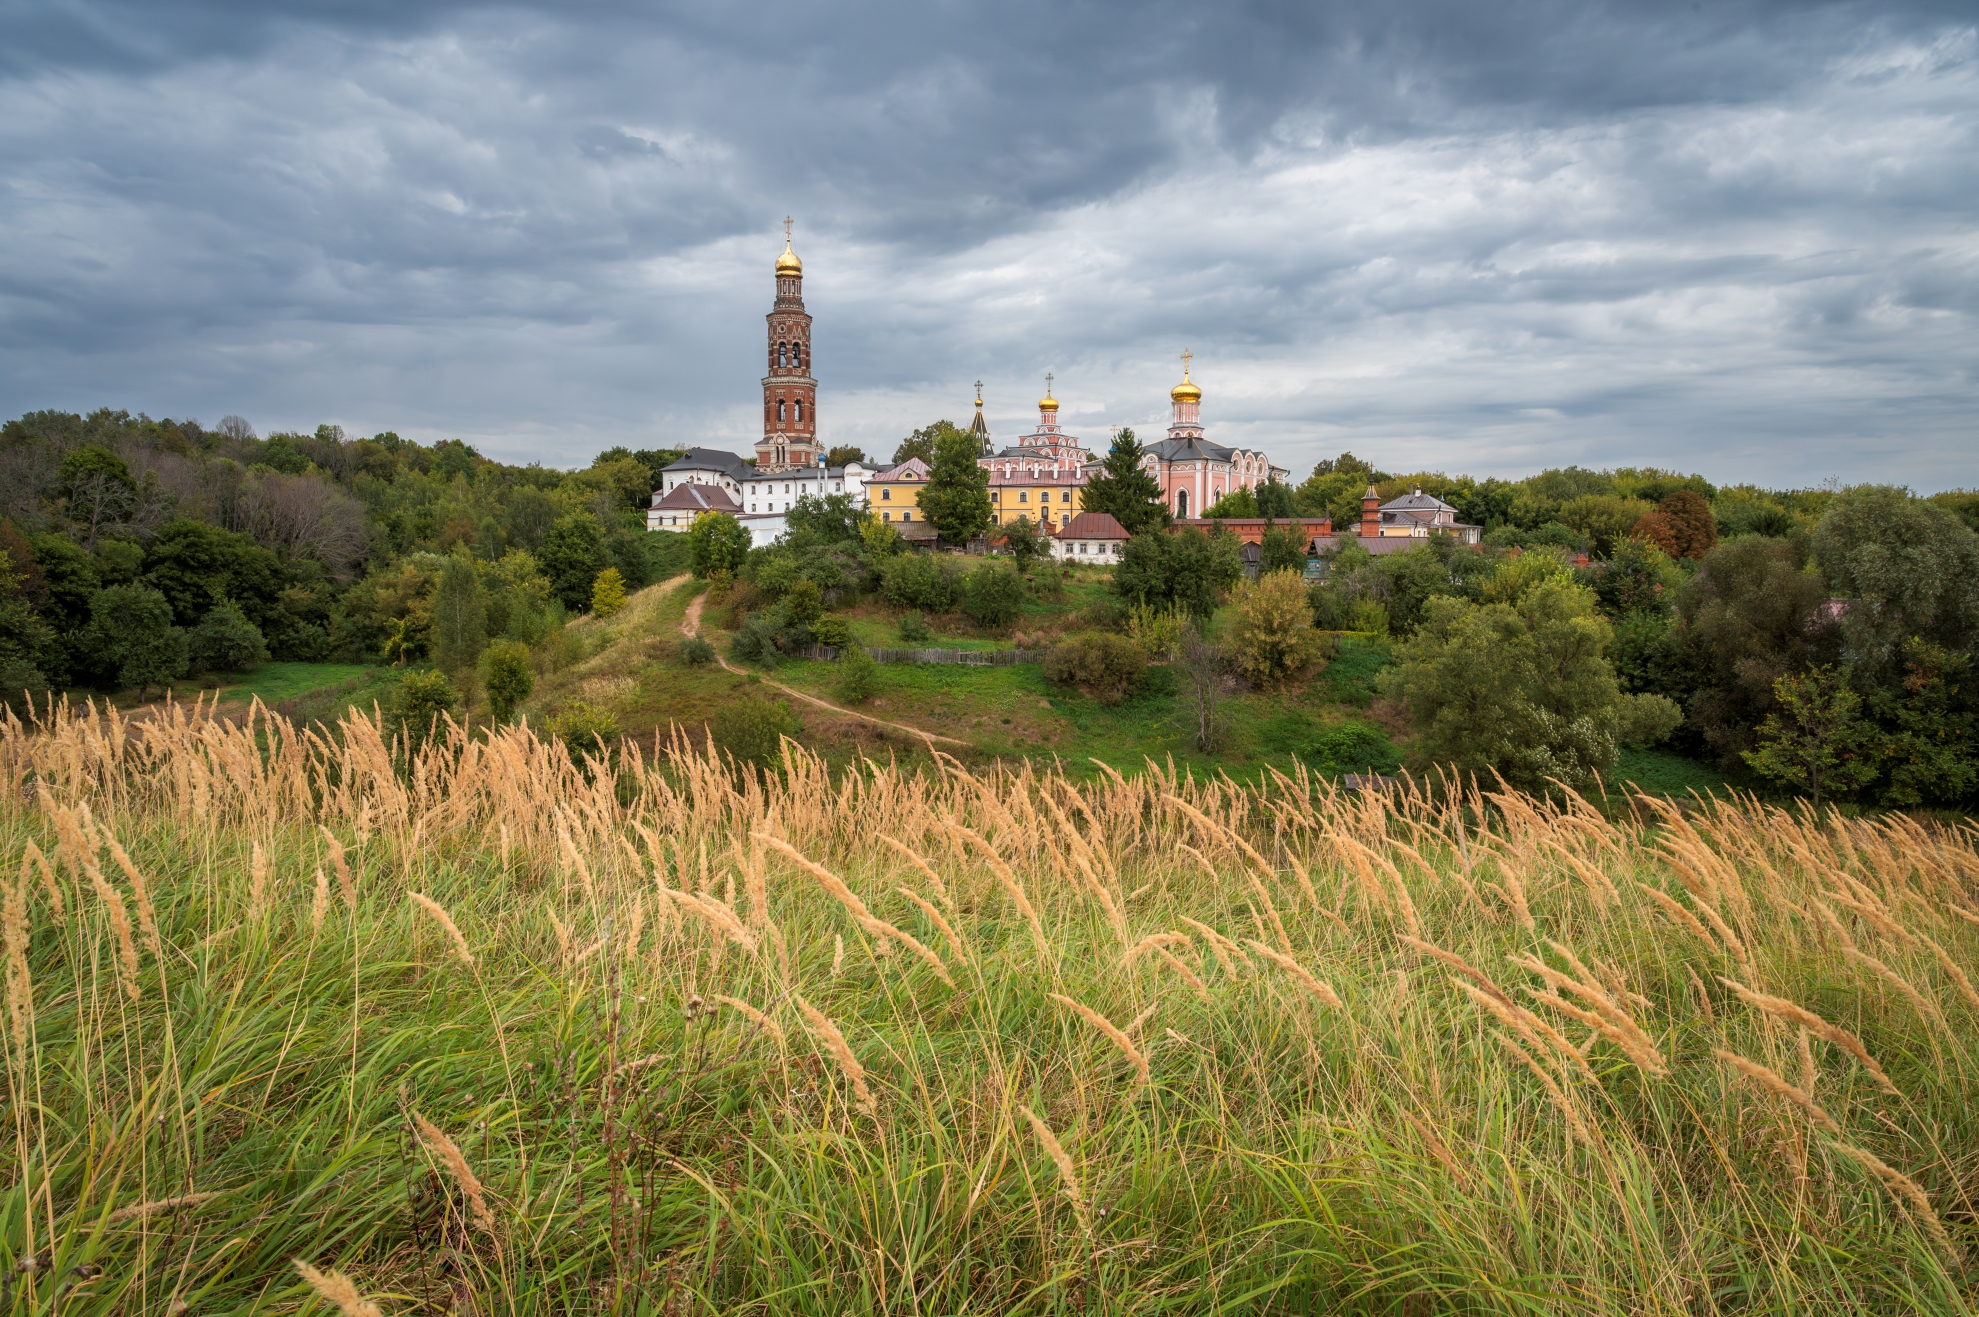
(1186, 391)
(788, 262)
(1047, 403)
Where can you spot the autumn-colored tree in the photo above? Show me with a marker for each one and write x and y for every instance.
(1272, 639)
(608, 592)
(1682, 526)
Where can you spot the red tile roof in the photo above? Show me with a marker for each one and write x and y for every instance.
(1092, 526)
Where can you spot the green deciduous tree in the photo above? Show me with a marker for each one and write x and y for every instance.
(608, 592)
(1908, 568)
(460, 617)
(135, 623)
(1282, 550)
(721, 544)
(571, 556)
(226, 641)
(857, 675)
(1185, 568)
(752, 730)
(1271, 637)
(924, 442)
(1025, 544)
(1816, 739)
(1124, 489)
(956, 498)
(509, 678)
(1526, 691)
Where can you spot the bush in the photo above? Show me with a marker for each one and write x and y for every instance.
(1353, 747)
(225, 641)
(752, 729)
(1158, 630)
(832, 630)
(696, 652)
(857, 677)
(914, 631)
(1106, 667)
(21, 684)
(992, 596)
(422, 700)
(1272, 640)
(1105, 615)
(917, 580)
(755, 640)
(509, 678)
(587, 730)
(805, 601)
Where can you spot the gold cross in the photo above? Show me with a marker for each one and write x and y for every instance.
(786, 230)
(1047, 384)
(979, 393)
(1187, 357)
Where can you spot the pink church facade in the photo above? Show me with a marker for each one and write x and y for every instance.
(1194, 473)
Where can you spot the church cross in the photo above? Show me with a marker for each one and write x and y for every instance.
(786, 230)
(1187, 357)
(1047, 384)
(979, 392)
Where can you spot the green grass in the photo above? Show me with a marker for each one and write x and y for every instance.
(250, 1095)
(275, 682)
(1662, 773)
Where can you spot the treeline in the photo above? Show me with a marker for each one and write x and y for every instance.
(140, 551)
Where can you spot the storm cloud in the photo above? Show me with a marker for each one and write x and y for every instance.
(1733, 238)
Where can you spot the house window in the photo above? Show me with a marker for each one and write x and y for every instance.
(886, 496)
(907, 516)
(1023, 496)
(886, 516)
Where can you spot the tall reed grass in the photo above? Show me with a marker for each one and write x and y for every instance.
(306, 1019)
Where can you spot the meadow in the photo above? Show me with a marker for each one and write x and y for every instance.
(305, 1019)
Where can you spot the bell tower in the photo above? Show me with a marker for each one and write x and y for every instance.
(790, 394)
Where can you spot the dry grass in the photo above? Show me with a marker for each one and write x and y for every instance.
(1444, 1049)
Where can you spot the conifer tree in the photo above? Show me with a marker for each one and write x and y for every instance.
(608, 592)
(1125, 489)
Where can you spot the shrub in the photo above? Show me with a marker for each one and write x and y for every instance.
(805, 601)
(858, 675)
(752, 729)
(509, 678)
(1105, 615)
(1158, 630)
(696, 652)
(914, 631)
(992, 596)
(21, 684)
(720, 543)
(1106, 667)
(917, 580)
(608, 592)
(422, 700)
(755, 640)
(587, 730)
(226, 641)
(1272, 640)
(832, 630)
(1353, 747)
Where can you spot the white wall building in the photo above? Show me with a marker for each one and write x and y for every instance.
(762, 498)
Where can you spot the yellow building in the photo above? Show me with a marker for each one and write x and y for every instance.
(896, 495)
(1043, 492)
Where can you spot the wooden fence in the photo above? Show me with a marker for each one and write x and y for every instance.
(975, 658)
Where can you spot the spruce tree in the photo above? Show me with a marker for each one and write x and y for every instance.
(1126, 489)
(956, 498)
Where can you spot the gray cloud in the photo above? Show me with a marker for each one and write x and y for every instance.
(1734, 238)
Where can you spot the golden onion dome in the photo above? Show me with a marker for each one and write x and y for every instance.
(1047, 403)
(788, 262)
(1186, 391)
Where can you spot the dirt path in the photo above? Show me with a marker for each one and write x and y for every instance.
(691, 626)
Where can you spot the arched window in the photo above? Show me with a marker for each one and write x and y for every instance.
(800, 411)
(1182, 503)
(1023, 496)
(886, 496)
(779, 410)
(797, 355)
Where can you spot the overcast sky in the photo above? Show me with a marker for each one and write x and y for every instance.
(1734, 238)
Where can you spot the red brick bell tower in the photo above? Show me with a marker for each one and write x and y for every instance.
(790, 395)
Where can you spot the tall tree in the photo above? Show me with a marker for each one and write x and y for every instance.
(460, 617)
(956, 498)
(572, 555)
(1125, 488)
(135, 623)
(1908, 568)
(923, 442)
(1682, 526)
